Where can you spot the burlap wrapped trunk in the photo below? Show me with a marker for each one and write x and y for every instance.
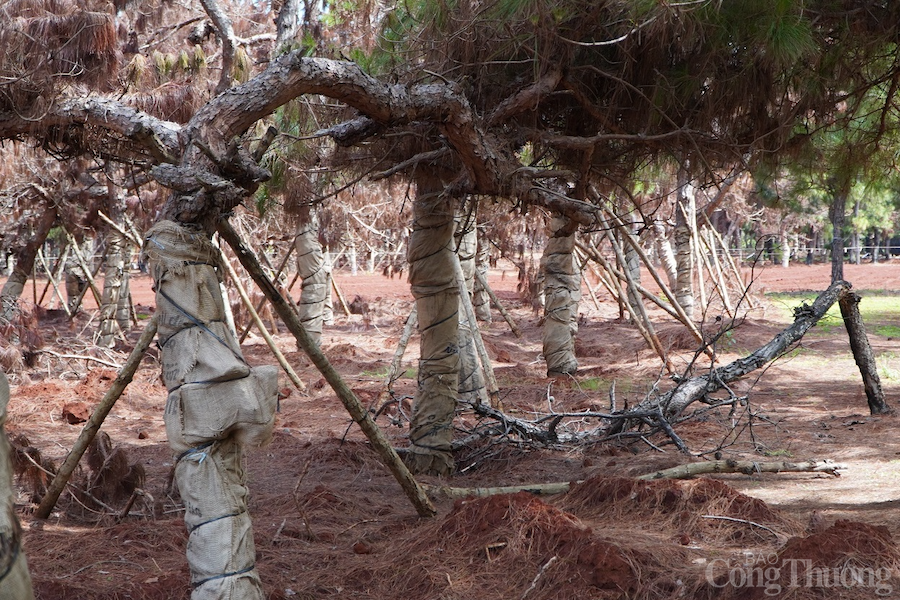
(216, 405)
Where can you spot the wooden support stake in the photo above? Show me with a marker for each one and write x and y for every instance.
(466, 303)
(583, 258)
(496, 301)
(394, 371)
(83, 291)
(52, 280)
(611, 271)
(358, 413)
(84, 267)
(340, 296)
(96, 420)
(662, 286)
(125, 234)
(640, 317)
(263, 301)
(739, 279)
(718, 275)
(248, 304)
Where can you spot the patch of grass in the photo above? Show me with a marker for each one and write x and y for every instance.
(776, 453)
(886, 366)
(891, 331)
(593, 384)
(879, 309)
(374, 373)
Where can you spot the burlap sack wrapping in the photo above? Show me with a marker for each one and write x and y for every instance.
(216, 404)
(199, 355)
(562, 292)
(244, 409)
(432, 278)
(315, 274)
(220, 545)
(15, 582)
(481, 300)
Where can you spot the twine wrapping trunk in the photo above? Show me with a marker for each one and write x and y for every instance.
(15, 582)
(562, 292)
(432, 279)
(216, 405)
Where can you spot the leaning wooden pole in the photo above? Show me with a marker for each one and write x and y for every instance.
(496, 301)
(862, 352)
(359, 414)
(96, 420)
(259, 306)
(248, 304)
(466, 303)
(639, 312)
(394, 370)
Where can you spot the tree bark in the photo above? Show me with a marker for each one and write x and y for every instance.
(837, 215)
(862, 352)
(562, 291)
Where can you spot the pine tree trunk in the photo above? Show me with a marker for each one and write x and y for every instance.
(562, 291)
(15, 582)
(862, 352)
(24, 265)
(633, 267)
(471, 382)
(684, 254)
(785, 242)
(837, 216)
(481, 298)
(315, 274)
(432, 279)
(665, 254)
(202, 367)
(113, 285)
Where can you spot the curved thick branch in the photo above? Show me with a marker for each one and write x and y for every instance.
(160, 138)
(690, 390)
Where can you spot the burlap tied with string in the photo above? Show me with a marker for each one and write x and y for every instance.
(217, 404)
(432, 278)
(314, 270)
(562, 292)
(15, 582)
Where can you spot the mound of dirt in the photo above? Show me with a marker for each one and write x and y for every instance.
(847, 560)
(705, 509)
(516, 546)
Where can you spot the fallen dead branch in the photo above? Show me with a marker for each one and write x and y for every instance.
(686, 471)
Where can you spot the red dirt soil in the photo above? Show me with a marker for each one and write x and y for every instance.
(331, 522)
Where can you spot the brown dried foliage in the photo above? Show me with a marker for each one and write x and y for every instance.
(45, 45)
